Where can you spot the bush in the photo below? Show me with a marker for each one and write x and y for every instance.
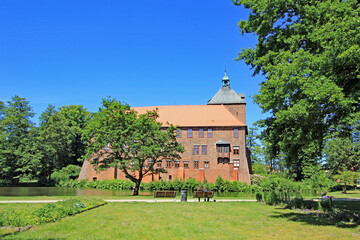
(327, 205)
(66, 173)
(259, 197)
(310, 204)
(49, 213)
(271, 198)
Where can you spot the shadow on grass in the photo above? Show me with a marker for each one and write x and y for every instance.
(311, 218)
(13, 235)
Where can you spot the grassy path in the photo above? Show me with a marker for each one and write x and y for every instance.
(220, 220)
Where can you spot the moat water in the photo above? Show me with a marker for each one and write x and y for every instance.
(63, 191)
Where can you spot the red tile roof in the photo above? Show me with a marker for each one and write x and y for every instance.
(194, 115)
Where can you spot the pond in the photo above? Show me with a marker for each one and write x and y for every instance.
(63, 191)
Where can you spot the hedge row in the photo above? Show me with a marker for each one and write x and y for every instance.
(190, 184)
(49, 213)
(259, 184)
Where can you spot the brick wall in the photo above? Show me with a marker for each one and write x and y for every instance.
(210, 172)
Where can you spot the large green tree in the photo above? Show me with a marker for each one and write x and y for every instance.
(54, 142)
(136, 141)
(16, 131)
(342, 148)
(309, 52)
(77, 118)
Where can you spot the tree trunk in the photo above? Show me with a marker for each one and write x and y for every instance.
(136, 188)
(344, 188)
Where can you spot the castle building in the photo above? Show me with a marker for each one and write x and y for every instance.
(213, 135)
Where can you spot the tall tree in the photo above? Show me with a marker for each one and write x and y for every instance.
(342, 149)
(136, 141)
(251, 143)
(309, 52)
(15, 128)
(54, 142)
(77, 118)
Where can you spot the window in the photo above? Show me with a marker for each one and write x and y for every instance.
(196, 149)
(206, 164)
(186, 164)
(107, 147)
(236, 133)
(204, 149)
(236, 163)
(210, 133)
(158, 164)
(223, 149)
(189, 133)
(94, 179)
(196, 164)
(149, 162)
(178, 133)
(168, 164)
(201, 133)
(177, 164)
(236, 150)
(170, 177)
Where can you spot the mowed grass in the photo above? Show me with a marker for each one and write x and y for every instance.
(204, 220)
(349, 194)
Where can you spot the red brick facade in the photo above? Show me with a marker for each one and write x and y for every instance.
(212, 150)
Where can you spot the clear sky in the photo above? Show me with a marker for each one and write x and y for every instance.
(145, 53)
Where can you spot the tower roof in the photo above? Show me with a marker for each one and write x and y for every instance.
(226, 95)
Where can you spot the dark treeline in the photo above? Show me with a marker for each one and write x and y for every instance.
(35, 152)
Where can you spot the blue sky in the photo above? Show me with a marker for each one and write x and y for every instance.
(145, 53)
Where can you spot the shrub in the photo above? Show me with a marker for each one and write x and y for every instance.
(66, 173)
(271, 198)
(310, 204)
(298, 202)
(259, 197)
(49, 213)
(327, 205)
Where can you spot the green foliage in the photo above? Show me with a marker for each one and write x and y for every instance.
(310, 204)
(259, 168)
(327, 205)
(342, 148)
(317, 179)
(49, 213)
(66, 173)
(136, 140)
(77, 118)
(259, 197)
(347, 178)
(17, 151)
(309, 52)
(54, 142)
(252, 143)
(271, 198)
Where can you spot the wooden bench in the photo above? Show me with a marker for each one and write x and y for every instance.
(165, 194)
(202, 194)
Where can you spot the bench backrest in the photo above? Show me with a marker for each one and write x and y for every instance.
(201, 194)
(165, 194)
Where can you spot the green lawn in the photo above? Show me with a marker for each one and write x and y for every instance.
(349, 194)
(205, 220)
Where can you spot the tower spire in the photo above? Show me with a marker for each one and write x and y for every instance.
(226, 80)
